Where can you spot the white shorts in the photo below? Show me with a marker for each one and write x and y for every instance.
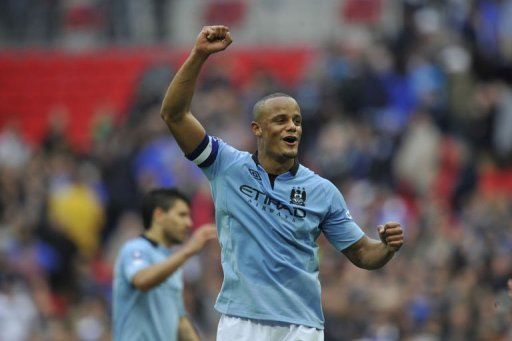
(235, 328)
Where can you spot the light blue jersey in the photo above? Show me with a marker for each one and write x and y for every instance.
(268, 231)
(150, 315)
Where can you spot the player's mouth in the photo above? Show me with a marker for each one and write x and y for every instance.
(291, 140)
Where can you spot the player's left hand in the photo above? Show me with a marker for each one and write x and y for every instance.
(392, 235)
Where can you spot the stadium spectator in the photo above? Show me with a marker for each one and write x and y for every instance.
(76, 209)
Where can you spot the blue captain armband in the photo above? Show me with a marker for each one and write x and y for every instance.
(205, 153)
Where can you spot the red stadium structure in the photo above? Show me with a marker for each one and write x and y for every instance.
(32, 83)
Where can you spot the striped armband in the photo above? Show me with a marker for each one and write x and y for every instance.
(205, 153)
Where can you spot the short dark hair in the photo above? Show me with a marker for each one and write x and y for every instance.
(163, 198)
(256, 111)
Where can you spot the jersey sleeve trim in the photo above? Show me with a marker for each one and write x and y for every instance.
(205, 153)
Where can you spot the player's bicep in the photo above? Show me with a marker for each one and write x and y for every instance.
(187, 131)
(338, 226)
(342, 234)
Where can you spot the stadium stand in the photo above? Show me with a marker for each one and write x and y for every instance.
(409, 114)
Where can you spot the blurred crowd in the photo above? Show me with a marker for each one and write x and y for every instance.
(415, 129)
(58, 22)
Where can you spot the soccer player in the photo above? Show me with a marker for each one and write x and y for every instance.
(148, 285)
(270, 211)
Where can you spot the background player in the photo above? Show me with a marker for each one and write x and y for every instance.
(269, 211)
(148, 285)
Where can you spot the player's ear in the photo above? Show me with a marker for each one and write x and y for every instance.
(157, 213)
(256, 129)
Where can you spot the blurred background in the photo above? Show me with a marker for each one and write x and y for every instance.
(407, 108)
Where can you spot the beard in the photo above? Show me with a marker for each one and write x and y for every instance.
(290, 154)
(173, 238)
(286, 155)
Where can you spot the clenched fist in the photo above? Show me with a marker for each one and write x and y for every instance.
(212, 39)
(392, 235)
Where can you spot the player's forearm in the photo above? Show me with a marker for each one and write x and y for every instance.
(179, 94)
(372, 254)
(186, 331)
(153, 275)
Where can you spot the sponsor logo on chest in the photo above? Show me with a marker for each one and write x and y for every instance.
(275, 206)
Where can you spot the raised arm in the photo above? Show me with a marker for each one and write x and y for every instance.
(175, 111)
(372, 254)
(155, 274)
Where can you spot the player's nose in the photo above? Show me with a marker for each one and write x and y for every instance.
(290, 126)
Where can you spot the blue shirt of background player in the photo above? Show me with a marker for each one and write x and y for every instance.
(151, 315)
(268, 231)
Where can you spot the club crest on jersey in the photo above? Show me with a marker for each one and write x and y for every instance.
(255, 174)
(298, 196)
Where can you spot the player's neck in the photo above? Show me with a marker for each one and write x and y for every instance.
(156, 235)
(274, 165)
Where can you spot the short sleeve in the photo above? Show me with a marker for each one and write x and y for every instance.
(338, 226)
(213, 156)
(134, 260)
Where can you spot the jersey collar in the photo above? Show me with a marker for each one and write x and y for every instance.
(151, 241)
(293, 170)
